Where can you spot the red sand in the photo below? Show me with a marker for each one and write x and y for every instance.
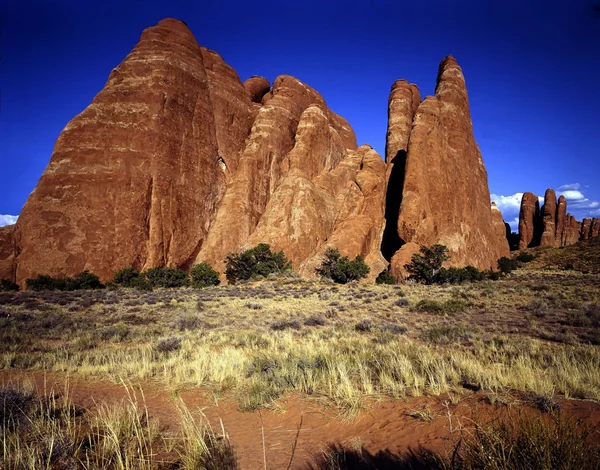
(302, 426)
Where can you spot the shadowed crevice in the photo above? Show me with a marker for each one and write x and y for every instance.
(338, 457)
(391, 241)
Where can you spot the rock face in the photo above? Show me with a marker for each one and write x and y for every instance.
(444, 196)
(552, 226)
(529, 221)
(595, 227)
(257, 87)
(561, 219)
(136, 178)
(7, 252)
(176, 161)
(549, 216)
(586, 228)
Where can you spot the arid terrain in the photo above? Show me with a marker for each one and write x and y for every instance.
(284, 367)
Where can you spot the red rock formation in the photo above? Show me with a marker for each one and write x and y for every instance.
(553, 226)
(595, 227)
(7, 252)
(571, 231)
(176, 161)
(293, 130)
(136, 178)
(549, 216)
(403, 103)
(561, 219)
(257, 87)
(445, 196)
(528, 221)
(586, 228)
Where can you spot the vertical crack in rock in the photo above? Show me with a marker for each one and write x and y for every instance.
(391, 241)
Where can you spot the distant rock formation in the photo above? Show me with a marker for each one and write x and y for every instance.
(176, 161)
(552, 225)
(529, 221)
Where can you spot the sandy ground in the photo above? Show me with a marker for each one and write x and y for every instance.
(300, 427)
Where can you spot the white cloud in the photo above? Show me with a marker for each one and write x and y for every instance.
(572, 195)
(7, 219)
(568, 187)
(507, 202)
(510, 207)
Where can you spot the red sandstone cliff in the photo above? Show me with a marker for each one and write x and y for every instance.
(177, 161)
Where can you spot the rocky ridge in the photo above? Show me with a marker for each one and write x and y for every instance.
(176, 161)
(551, 225)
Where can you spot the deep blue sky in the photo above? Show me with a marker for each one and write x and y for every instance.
(531, 67)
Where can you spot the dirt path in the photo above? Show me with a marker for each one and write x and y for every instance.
(302, 426)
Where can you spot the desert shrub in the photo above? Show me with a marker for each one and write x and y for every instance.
(385, 277)
(281, 325)
(15, 405)
(425, 266)
(340, 269)
(315, 320)
(506, 265)
(45, 282)
(538, 308)
(142, 283)
(448, 307)
(126, 277)
(8, 285)
(446, 334)
(401, 303)
(83, 280)
(203, 275)
(169, 344)
(460, 275)
(364, 326)
(528, 442)
(257, 261)
(525, 257)
(167, 277)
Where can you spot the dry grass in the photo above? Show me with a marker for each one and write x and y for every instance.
(535, 332)
(49, 432)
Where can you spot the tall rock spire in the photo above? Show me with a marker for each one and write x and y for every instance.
(445, 196)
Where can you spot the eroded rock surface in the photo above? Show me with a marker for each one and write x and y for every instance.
(445, 196)
(552, 226)
(529, 221)
(549, 216)
(7, 252)
(176, 161)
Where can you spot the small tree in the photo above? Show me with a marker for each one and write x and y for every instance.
(84, 280)
(126, 277)
(166, 277)
(385, 277)
(506, 265)
(426, 265)
(340, 269)
(203, 275)
(257, 261)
